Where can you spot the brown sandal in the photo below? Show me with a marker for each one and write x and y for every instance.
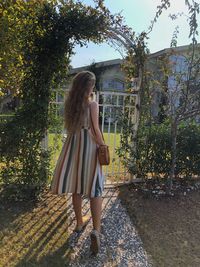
(95, 242)
(80, 228)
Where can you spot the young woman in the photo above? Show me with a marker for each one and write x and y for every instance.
(78, 170)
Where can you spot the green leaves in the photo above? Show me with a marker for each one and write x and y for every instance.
(37, 42)
(153, 157)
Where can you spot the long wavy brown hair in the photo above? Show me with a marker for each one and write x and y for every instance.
(77, 100)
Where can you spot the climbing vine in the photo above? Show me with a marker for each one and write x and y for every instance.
(43, 35)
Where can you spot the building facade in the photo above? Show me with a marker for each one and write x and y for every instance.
(110, 76)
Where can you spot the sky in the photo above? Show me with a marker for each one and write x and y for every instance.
(138, 15)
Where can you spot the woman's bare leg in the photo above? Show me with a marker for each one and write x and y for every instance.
(77, 204)
(96, 208)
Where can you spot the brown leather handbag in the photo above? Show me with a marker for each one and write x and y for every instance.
(103, 154)
(103, 150)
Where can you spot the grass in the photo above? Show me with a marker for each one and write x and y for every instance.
(169, 227)
(115, 172)
(110, 139)
(34, 233)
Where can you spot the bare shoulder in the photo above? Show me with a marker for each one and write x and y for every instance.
(94, 105)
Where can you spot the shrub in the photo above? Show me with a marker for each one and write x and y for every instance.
(188, 146)
(153, 155)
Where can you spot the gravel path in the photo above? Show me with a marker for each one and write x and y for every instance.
(120, 243)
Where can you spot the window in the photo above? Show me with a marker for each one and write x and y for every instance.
(113, 85)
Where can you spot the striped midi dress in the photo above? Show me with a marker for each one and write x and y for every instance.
(77, 169)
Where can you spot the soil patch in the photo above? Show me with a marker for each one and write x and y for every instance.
(169, 226)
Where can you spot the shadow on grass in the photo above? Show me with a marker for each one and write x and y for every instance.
(42, 235)
(11, 209)
(30, 231)
(39, 233)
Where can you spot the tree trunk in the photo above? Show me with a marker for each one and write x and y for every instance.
(134, 136)
(173, 153)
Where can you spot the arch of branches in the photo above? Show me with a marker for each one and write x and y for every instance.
(44, 37)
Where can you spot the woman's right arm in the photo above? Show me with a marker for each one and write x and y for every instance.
(95, 120)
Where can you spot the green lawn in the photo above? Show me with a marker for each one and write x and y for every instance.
(114, 172)
(35, 233)
(115, 166)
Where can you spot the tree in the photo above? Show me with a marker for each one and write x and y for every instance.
(183, 93)
(42, 35)
(186, 86)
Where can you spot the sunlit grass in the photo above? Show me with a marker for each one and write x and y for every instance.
(35, 235)
(111, 139)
